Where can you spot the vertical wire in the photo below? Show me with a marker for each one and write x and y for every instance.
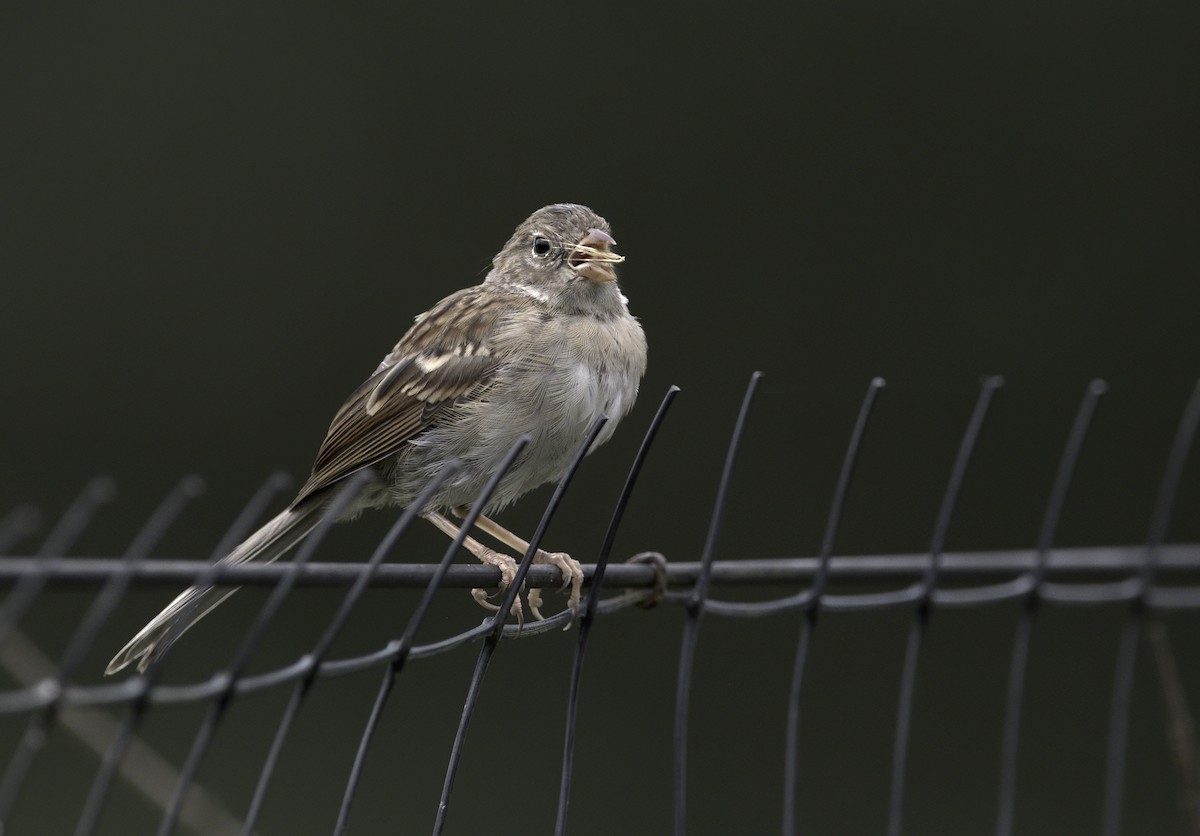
(791, 749)
(98, 793)
(908, 678)
(404, 645)
(589, 611)
(1118, 728)
(42, 722)
(300, 690)
(61, 537)
(216, 711)
(791, 755)
(1118, 723)
(493, 638)
(1024, 630)
(695, 609)
(916, 633)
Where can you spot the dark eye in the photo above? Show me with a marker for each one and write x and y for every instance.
(540, 245)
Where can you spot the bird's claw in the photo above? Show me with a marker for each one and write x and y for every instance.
(572, 573)
(508, 573)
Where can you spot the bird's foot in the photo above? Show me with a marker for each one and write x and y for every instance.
(572, 573)
(508, 573)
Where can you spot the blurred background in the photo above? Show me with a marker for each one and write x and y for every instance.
(216, 218)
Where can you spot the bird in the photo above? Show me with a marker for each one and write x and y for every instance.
(542, 347)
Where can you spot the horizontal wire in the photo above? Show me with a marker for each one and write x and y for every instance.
(1174, 561)
(1101, 562)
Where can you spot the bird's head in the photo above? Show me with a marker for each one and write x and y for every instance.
(564, 248)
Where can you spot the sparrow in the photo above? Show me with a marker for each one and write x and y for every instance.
(544, 346)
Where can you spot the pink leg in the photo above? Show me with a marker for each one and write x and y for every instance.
(506, 565)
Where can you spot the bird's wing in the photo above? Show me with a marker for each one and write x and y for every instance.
(444, 358)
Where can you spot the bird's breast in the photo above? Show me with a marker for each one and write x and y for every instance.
(551, 384)
(592, 368)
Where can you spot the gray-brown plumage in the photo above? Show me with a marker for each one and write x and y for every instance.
(543, 347)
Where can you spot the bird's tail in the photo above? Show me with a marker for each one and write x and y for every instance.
(265, 545)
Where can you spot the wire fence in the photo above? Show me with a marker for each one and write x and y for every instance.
(50, 699)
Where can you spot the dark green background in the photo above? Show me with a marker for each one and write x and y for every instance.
(216, 218)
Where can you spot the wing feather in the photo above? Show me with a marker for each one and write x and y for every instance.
(444, 359)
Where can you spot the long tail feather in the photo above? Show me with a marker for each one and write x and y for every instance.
(265, 545)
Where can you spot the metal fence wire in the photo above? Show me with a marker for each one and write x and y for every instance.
(50, 701)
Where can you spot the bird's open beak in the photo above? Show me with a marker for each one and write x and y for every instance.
(592, 259)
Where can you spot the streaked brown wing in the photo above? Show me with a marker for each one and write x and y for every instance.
(443, 359)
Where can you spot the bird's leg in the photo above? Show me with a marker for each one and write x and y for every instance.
(572, 572)
(506, 565)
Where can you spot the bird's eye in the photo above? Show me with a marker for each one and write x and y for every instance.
(540, 245)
